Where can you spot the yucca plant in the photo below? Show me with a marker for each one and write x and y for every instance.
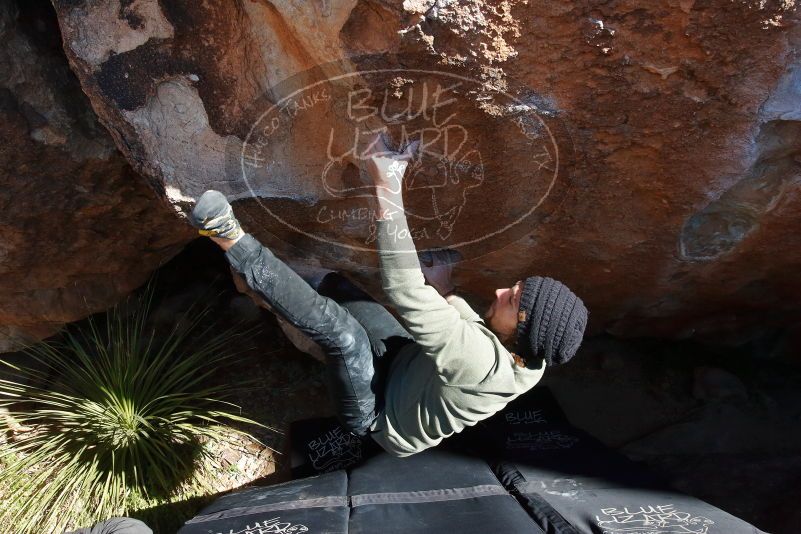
(115, 414)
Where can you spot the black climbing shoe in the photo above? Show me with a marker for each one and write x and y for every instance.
(214, 217)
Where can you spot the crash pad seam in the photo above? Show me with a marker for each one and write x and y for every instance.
(447, 494)
(320, 502)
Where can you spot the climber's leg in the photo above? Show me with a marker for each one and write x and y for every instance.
(225, 244)
(349, 356)
(386, 334)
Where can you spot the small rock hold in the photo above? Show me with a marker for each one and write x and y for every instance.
(664, 72)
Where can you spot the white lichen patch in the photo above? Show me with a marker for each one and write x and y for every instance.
(98, 32)
(173, 128)
(601, 27)
(176, 196)
(664, 72)
(779, 8)
(190, 157)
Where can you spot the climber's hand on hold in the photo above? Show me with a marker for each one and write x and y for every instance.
(386, 167)
(437, 267)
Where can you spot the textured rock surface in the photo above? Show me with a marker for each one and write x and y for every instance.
(671, 127)
(79, 227)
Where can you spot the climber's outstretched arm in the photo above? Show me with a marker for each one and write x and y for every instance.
(435, 324)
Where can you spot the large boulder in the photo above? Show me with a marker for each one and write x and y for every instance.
(80, 229)
(647, 154)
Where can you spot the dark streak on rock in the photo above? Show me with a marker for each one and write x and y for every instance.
(133, 19)
(130, 78)
(200, 33)
(37, 20)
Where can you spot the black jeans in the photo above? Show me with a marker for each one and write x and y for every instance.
(358, 335)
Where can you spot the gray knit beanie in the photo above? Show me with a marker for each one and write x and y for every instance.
(551, 322)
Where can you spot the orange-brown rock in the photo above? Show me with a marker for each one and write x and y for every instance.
(79, 229)
(647, 154)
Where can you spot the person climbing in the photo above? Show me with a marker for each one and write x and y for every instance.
(407, 388)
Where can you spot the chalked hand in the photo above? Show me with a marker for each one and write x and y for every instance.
(437, 267)
(386, 167)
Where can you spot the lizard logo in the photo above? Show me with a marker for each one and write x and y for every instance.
(488, 159)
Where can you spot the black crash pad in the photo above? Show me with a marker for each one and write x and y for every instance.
(524, 470)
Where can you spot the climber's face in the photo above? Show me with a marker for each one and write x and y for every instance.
(502, 315)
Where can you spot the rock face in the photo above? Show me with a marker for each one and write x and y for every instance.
(647, 154)
(80, 229)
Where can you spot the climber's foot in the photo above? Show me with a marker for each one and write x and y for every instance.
(214, 217)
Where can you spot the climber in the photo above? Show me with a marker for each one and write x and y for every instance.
(449, 368)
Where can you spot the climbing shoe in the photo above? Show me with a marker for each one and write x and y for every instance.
(214, 217)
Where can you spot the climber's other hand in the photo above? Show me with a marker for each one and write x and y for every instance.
(437, 267)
